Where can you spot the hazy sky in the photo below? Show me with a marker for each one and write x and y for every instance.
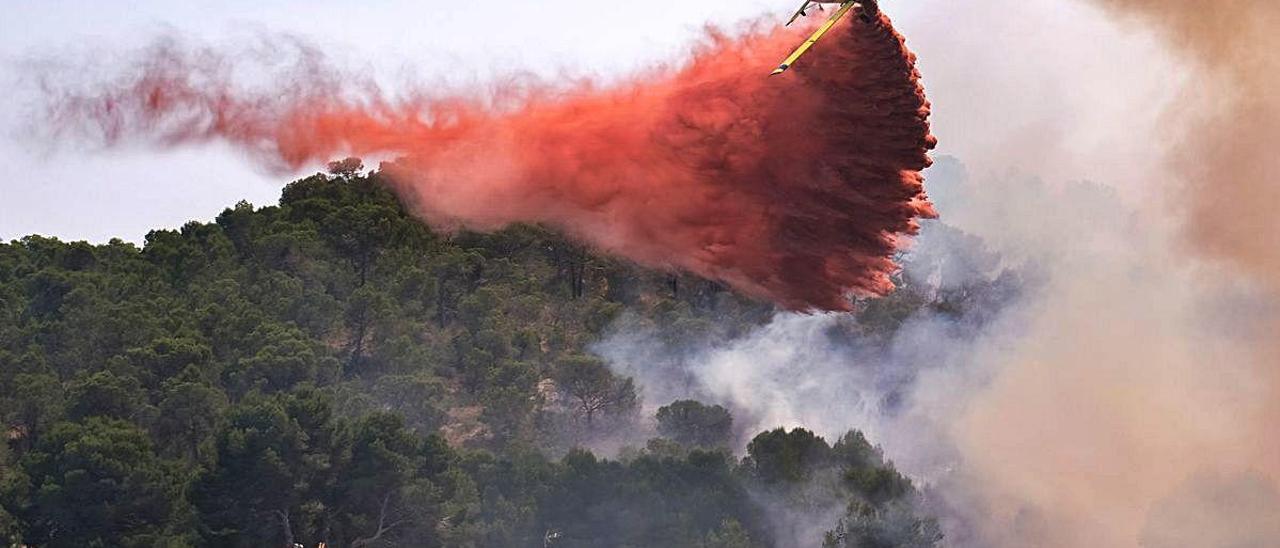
(989, 89)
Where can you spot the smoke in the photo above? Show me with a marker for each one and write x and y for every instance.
(827, 372)
(1144, 365)
(790, 373)
(1130, 371)
(1212, 510)
(1226, 122)
(796, 189)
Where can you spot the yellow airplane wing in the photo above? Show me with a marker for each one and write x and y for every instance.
(799, 12)
(813, 38)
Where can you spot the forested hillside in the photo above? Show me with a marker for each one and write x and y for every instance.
(331, 371)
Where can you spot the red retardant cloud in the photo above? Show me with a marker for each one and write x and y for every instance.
(795, 188)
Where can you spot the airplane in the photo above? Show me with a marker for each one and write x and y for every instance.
(867, 10)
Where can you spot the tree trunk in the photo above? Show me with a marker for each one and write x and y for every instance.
(383, 526)
(577, 272)
(441, 287)
(357, 345)
(287, 527)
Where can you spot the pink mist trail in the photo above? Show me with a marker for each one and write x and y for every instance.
(796, 188)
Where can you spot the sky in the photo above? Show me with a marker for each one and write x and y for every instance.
(985, 75)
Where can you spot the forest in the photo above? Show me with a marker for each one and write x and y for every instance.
(330, 371)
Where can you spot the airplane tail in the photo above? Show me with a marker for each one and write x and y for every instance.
(804, 4)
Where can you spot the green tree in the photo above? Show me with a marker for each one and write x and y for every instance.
(14, 495)
(867, 473)
(781, 456)
(730, 534)
(285, 357)
(384, 493)
(105, 394)
(31, 404)
(594, 390)
(346, 167)
(187, 418)
(694, 424)
(99, 483)
(254, 495)
(162, 359)
(897, 525)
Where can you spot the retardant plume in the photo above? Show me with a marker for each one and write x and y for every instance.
(797, 189)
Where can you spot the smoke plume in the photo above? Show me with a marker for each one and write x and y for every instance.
(1139, 406)
(797, 189)
(1131, 400)
(1227, 122)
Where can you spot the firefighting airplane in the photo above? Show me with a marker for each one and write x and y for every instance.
(867, 10)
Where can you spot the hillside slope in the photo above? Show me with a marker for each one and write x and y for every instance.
(329, 370)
